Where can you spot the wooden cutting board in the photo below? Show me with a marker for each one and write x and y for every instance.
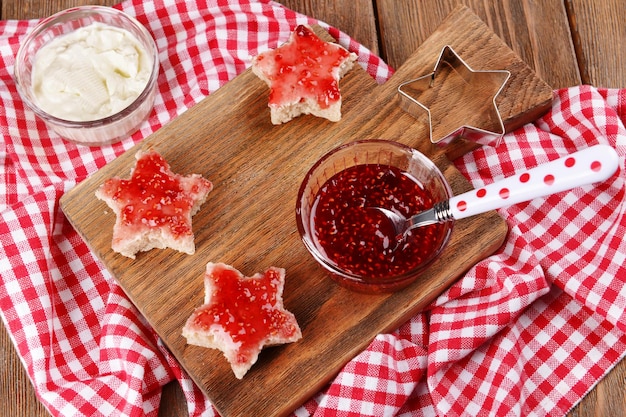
(248, 220)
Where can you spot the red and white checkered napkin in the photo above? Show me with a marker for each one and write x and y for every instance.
(527, 331)
(531, 329)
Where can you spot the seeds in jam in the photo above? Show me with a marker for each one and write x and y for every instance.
(153, 199)
(246, 309)
(241, 315)
(362, 241)
(304, 68)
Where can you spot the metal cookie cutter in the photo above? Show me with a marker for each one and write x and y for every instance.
(457, 100)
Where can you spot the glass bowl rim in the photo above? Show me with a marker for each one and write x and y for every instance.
(65, 16)
(387, 281)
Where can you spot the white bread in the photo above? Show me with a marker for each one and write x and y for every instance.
(129, 239)
(203, 327)
(264, 67)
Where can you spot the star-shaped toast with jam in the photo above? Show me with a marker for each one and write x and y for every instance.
(303, 76)
(154, 206)
(241, 315)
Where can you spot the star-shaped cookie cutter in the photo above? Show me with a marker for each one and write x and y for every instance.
(457, 100)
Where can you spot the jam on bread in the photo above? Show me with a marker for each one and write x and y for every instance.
(154, 206)
(303, 76)
(241, 315)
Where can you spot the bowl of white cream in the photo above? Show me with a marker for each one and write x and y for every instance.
(90, 73)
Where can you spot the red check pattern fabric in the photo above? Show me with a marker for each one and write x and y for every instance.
(531, 329)
(526, 332)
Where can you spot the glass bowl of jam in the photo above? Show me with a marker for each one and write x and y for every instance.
(90, 73)
(340, 225)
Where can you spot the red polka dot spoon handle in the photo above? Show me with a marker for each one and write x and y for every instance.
(591, 165)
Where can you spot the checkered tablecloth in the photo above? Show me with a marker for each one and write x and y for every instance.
(527, 331)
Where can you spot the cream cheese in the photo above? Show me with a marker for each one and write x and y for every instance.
(90, 73)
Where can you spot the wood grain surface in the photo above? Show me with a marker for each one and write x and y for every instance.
(249, 222)
(566, 42)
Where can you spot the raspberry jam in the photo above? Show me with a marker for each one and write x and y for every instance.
(304, 68)
(246, 309)
(362, 241)
(154, 196)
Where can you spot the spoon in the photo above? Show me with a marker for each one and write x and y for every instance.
(594, 164)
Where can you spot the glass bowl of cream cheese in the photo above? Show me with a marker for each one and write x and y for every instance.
(90, 73)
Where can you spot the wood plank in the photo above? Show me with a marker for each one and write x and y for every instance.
(27, 9)
(16, 391)
(599, 36)
(543, 43)
(533, 96)
(354, 17)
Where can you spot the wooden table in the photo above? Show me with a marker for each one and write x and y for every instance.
(567, 43)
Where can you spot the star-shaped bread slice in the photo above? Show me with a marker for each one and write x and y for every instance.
(303, 75)
(241, 315)
(154, 206)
